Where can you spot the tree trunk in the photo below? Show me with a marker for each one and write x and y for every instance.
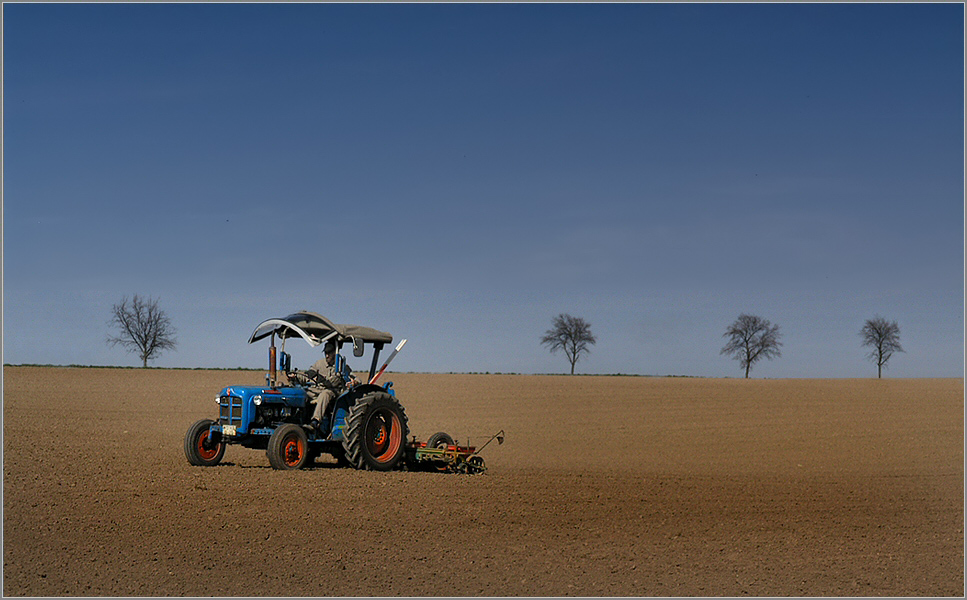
(572, 368)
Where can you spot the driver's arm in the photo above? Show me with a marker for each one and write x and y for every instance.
(332, 379)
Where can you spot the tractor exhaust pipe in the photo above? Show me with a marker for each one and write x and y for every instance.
(272, 374)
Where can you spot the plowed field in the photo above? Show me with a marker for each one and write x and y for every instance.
(616, 486)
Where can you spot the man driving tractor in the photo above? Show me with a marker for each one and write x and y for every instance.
(328, 382)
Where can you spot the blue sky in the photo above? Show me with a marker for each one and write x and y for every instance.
(459, 174)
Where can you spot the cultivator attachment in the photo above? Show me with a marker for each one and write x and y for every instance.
(442, 454)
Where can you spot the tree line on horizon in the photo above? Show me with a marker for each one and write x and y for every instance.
(144, 328)
(749, 339)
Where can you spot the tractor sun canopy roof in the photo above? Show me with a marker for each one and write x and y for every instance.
(316, 329)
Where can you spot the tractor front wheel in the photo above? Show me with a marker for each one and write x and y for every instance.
(375, 433)
(201, 449)
(288, 447)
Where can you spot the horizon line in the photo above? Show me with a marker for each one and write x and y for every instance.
(78, 366)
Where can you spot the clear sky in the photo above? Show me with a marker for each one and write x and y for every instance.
(457, 175)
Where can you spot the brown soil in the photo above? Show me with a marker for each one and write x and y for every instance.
(614, 486)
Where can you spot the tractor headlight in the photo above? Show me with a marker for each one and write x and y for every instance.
(257, 400)
(218, 400)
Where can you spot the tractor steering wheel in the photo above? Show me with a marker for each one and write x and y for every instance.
(298, 377)
(313, 376)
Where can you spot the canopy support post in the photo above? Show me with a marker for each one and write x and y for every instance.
(372, 369)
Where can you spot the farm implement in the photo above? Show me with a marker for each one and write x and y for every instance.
(363, 425)
(441, 453)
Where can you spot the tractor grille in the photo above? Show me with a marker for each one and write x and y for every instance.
(230, 410)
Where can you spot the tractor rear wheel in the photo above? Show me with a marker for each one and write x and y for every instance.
(200, 448)
(375, 433)
(288, 447)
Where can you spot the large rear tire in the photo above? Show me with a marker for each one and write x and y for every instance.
(375, 433)
(288, 447)
(200, 449)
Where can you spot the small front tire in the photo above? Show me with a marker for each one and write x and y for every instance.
(201, 449)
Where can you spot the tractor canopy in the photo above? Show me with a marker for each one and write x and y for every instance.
(316, 329)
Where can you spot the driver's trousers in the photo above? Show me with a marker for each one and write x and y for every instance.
(322, 399)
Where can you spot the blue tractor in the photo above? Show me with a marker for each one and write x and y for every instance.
(365, 427)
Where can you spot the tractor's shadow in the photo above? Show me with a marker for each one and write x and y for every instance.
(319, 466)
(327, 466)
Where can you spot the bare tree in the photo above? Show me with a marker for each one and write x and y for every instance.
(884, 338)
(571, 334)
(752, 338)
(143, 328)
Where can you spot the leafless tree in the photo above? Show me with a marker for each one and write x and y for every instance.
(571, 334)
(143, 328)
(752, 338)
(884, 338)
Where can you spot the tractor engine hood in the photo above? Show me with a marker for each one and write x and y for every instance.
(316, 329)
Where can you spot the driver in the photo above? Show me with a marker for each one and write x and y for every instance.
(328, 383)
